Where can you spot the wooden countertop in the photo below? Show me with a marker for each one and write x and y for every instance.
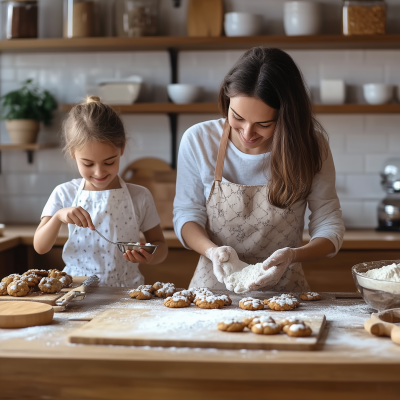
(15, 235)
(40, 360)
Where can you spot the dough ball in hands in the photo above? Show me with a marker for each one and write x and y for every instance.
(50, 285)
(231, 325)
(18, 289)
(297, 330)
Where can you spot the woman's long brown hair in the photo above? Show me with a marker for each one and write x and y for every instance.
(299, 144)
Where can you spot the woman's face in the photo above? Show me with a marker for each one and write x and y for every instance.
(253, 124)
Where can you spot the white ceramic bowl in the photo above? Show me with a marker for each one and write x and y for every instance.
(120, 91)
(332, 91)
(242, 24)
(378, 93)
(182, 93)
(301, 18)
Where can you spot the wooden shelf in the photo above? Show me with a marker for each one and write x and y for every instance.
(200, 43)
(26, 147)
(212, 108)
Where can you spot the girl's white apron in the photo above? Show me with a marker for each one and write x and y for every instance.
(86, 253)
(241, 216)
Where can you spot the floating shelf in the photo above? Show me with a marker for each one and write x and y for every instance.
(322, 42)
(212, 108)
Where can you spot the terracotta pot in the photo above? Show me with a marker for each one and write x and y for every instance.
(23, 131)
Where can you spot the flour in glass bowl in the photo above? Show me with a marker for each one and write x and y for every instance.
(387, 273)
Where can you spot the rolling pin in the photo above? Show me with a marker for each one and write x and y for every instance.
(378, 325)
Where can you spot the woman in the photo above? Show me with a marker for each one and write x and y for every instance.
(244, 181)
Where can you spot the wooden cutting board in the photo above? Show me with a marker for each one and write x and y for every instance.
(40, 297)
(167, 328)
(23, 314)
(205, 17)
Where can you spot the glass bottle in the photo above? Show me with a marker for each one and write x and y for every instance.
(20, 19)
(81, 18)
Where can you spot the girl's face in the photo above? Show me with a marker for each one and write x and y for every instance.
(253, 124)
(98, 164)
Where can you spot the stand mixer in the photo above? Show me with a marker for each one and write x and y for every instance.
(389, 207)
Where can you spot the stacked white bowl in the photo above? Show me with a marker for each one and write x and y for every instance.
(183, 93)
(242, 24)
(378, 93)
(302, 18)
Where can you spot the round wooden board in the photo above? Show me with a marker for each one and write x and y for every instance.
(21, 314)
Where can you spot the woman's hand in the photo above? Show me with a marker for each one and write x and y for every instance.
(76, 216)
(219, 256)
(141, 256)
(275, 266)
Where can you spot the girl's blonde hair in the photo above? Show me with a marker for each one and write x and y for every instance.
(89, 121)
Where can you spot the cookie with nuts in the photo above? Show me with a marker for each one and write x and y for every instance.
(227, 300)
(142, 292)
(186, 293)
(66, 280)
(18, 288)
(248, 303)
(266, 328)
(40, 272)
(32, 280)
(177, 301)
(3, 288)
(8, 279)
(297, 330)
(231, 325)
(290, 321)
(310, 296)
(55, 273)
(284, 302)
(251, 321)
(50, 285)
(209, 302)
(166, 290)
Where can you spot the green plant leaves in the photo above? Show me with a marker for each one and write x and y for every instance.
(29, 102)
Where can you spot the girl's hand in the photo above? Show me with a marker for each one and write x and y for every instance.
(141, 256)
(75, 215)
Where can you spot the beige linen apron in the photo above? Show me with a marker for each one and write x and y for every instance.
(240, 216)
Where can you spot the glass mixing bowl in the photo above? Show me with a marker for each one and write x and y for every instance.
(380, 295)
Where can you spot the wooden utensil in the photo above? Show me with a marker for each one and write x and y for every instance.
(22, 314)
(205, 17)
(135, 327)
(383, 324)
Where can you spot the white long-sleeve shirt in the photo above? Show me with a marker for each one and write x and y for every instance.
(196, 167)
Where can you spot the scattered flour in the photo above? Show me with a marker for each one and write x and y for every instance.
(386, 273)
(239, 281)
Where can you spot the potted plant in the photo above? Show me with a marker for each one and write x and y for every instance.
(23, 111)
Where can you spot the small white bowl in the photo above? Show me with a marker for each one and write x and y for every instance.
(120, 91)
(301, 18)
(378, 93)
(182, 93)
(242, 24)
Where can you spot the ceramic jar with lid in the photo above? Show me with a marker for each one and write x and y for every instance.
(81, 18)
(364, 17)
(136, 18)
(302, 18)
(20, 19)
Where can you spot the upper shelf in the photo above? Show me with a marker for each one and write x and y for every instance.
(212, 108)
(200, 43)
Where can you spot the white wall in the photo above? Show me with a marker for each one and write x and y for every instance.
(360, 143)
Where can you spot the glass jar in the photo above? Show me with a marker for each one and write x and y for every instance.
(20, 19)
(81, 18)
(136, 18)
(367, 17)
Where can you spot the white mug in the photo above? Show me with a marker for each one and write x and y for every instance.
(332, 91)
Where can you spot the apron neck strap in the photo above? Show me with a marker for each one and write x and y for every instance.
(222, 151)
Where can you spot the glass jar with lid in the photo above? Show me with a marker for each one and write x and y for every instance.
(136, 18)
(364, 17)
(81, 18)
(20, 19)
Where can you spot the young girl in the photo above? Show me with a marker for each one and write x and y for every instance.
(244, 181)
(94, 137)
